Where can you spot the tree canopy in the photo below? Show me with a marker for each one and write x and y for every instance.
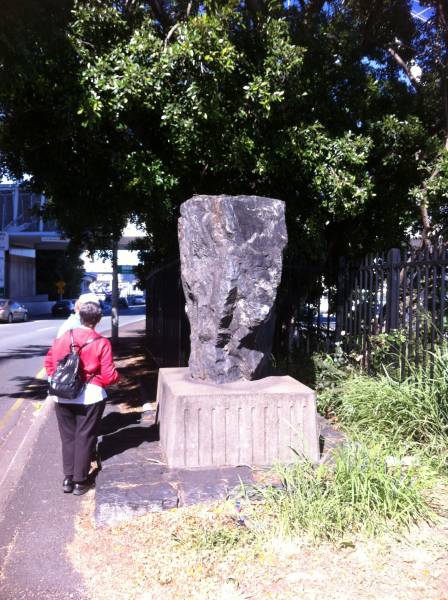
(125, 108)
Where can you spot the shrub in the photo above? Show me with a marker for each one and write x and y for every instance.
(386, 351)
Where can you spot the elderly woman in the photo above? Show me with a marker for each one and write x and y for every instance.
(79, 419)
(73, 320)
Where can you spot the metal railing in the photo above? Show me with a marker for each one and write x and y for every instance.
(402, 291)
(167, 327)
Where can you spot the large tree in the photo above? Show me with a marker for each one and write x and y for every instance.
(123, 108)
(41, 133)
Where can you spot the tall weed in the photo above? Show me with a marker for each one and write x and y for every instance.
(367, 489)
(331, 372)
(411, 411)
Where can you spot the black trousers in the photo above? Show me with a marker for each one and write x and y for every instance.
(78, 428)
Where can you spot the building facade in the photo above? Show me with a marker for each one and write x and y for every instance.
(23, 232)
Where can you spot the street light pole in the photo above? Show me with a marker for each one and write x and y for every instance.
(114, 313)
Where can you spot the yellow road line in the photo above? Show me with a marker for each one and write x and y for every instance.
(41, 374)
(18, 403)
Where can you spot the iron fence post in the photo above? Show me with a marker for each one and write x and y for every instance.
(393, 289)
(340, 297)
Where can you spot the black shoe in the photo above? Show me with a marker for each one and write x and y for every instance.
(82, 488)
(68, 485)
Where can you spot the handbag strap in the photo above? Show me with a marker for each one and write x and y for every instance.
(80, 347)
(72, 348)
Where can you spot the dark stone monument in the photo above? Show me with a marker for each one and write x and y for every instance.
(219, 412)
(231, 257)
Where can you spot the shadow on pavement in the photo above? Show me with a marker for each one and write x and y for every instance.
(138, 383)
(30, 389)
(123, 427)
(27, 352)
(124, 439)
(114, 421)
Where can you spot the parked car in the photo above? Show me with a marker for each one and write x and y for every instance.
(10, 311)
(63, 308)
(105, 307)
(122, 303)
(139, 300)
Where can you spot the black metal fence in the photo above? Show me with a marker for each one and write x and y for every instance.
(400, 294)
(167, 328)
(305, 316)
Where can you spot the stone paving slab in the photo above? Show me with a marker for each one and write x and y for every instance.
(131, 445)
(119, 503)
(132, 473)
(330, 438)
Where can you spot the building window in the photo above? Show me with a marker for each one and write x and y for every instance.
(28, 211)
(6, 210)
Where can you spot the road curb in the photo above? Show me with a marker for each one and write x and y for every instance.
(19, 459)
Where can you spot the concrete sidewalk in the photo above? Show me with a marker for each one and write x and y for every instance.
(37, 522)
(36, 527)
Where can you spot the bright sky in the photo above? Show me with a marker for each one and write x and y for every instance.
(420, 12)
(125, 257)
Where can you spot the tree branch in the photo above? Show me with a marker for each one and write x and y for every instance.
(424, 215)
(445, 105)
(176, 25)
(170, 33)
(404, 66)
(441, 10)
(426, 224)
(86, 43)
(442, 21)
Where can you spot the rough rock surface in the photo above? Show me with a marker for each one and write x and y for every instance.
(231, 259)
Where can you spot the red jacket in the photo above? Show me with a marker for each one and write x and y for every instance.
(96, 357)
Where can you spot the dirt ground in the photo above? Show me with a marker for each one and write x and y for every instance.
(162, 555)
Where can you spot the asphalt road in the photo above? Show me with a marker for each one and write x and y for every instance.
(22, 379)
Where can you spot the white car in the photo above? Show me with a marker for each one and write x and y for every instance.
(10, 311)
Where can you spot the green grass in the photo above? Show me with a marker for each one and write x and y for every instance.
(414, 411)
(221, 539)
(383, 479)
(406, 411)
(367, 489)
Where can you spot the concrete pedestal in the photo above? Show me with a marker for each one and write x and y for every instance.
(272, 420)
